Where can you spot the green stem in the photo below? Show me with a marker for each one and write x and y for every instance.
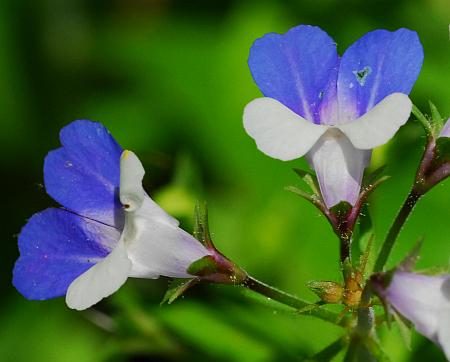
(395, 229)
(292, 301)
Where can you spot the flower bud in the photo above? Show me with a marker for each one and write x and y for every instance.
(327, 291)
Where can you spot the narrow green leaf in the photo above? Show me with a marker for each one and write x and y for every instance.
(371, 177)
(177, 288)
(426, 124)
(409, 263)
(309, 178)
(438, 121)
(201, 227)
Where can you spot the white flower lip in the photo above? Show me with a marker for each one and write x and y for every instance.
(339, 158)
(151, 244)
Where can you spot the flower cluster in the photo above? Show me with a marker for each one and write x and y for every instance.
(331, 109)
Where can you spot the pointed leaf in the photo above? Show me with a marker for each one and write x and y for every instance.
(438, 121)
(409, 263)
(309, 178)
(177, 288)
(201, 227)
(426, 124)
(371, 177)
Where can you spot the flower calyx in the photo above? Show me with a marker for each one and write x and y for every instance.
(216, 267)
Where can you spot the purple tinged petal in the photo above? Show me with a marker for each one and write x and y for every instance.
(84, 174)
(339, 167)
(295, 68)
(56, 246)
(424, 300)
(375, 66)
(445, 132)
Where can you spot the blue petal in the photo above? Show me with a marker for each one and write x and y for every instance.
(375, 66)
(295, 68)
(56, 246)
(84, 174)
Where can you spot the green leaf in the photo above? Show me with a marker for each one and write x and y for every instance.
(203, 266)
(405, 328)
(371, 177)
(312, 198)
(309, 178)
(426, 124)
(409, 263)
(438, 121)
(176, 288)
(201, 227)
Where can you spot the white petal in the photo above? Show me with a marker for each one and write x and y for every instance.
(154, 242)
(279, 132)
(131, 175)
(339, 167)
(379, 125)
(157, 248)
(132, 193)
(100, 281)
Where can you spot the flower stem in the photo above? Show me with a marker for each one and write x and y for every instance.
(292, 301)
(395, 229)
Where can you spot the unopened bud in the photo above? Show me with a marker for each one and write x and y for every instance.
(327, 291)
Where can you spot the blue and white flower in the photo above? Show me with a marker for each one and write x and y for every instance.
(109, 229)
(332, 109)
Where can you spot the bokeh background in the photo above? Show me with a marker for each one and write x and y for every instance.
(170, 80)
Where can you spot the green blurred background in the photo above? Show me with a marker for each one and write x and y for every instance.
(170, 80)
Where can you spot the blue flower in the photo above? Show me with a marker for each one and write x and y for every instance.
(109, 229)
(332, 109)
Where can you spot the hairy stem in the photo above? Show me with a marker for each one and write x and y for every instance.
(395, 229)
(292, 301)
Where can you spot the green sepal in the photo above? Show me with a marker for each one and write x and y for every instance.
(424, 121)
(201, 226)
(438, 121)
(443, 149)
(342, 209)
(409, 262)
(203, 266)
(405, 328)
(370, 177)
(177, 287)
(309, 178)
(312, 198)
